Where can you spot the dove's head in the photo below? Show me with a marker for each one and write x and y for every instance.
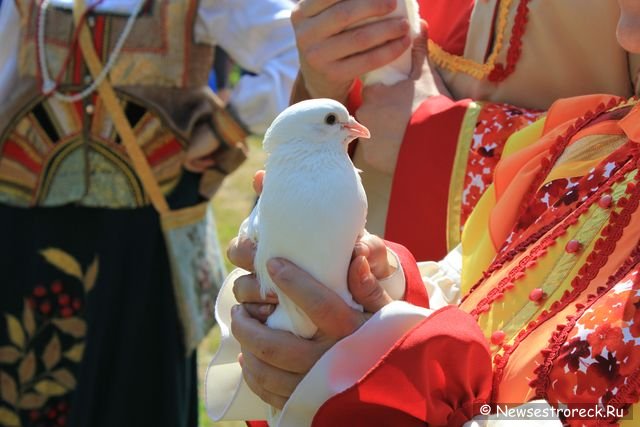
(316, 121)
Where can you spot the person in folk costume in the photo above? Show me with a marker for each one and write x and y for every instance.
(540, 302)
(515, 56)
(89, 331)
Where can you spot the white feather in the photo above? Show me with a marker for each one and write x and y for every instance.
(312, 208)
(400, 68)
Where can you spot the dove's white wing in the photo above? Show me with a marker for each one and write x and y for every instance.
(249, 227)
(314, 223)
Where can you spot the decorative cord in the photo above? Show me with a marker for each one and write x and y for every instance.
(49, 86)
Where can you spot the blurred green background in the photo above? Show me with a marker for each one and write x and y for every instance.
(232, 204)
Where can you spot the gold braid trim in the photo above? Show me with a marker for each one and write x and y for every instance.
(460, 64)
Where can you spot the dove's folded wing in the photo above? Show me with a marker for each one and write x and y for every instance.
(249, 227)
(227, 396)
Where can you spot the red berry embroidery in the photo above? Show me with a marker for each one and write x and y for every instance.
(56, 287)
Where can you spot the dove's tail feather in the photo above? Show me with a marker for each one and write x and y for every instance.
(400, 68)
(391, 73)
(249, 227)
(288, 317)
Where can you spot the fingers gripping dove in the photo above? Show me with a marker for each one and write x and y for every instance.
(400, 68)
(313, 206)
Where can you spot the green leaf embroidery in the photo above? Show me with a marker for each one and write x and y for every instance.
(8, 388)
(9, 354)
(62, 261)
(27, 368)
(52, 352)
(32, 401)
(72, 326)
(16, 334)
(91, 275)
(50, 388)
(75, 353)
(9, 418)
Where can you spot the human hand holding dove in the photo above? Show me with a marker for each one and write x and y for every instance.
(311, 212)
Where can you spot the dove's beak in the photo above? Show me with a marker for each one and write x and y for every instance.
(356, 130)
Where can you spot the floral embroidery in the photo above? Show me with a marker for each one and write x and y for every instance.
(495, 124)
(600, 356)
(45, 345)
(598, 257)
(555, 198)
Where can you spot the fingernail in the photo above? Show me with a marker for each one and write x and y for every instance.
(235, 308)
(271, 294)
(274, 266)
(364, 271)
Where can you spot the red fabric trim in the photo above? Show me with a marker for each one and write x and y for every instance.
(448, 22)
(506, 254)
(558, 148)
(163, 152)
(78, 61)
(13, 151)
(494, 126)
(541, 383)
(531, 259)
(451, 376)
(568, 109)
(99, 40)
(417, 216)
(628, 394)
(188, 39)
(501, 72)
(595, 261)
(257, 424)
(354, 100)
(415, 292)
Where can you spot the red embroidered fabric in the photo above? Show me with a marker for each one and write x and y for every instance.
(495, 124)
(599, 361)
(595, 261)
(558, 197)
(505, 255)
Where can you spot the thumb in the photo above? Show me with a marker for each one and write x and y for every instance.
(365, 288)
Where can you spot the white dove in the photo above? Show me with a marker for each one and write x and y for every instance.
(313, 207)
(400, 68)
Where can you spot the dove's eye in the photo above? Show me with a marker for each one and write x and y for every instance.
(330, 119)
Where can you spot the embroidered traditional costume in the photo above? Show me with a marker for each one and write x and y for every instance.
(89, 334)
(505, 62)
(549, 274)
(544, 295)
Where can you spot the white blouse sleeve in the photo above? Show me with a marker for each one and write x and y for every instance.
(228, 397)
(257, 34)
(442, 279)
